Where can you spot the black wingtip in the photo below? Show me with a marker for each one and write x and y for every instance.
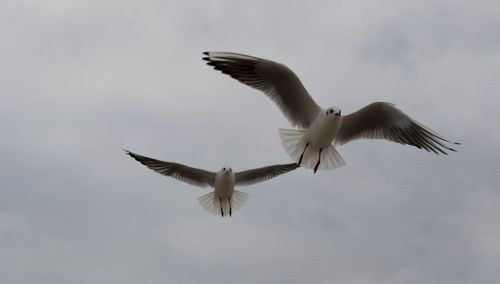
(206, 58)
(206, 53)
(131, 154)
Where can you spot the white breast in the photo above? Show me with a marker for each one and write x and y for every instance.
(323, 130)
(224, 184)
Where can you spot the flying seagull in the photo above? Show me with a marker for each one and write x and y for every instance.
(311, 144)
(224, 199)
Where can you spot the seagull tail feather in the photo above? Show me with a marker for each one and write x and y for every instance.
(294, 145)
(213, 204)
(292, 141)
(331, 159)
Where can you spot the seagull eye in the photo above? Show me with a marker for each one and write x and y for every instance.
(223, 169)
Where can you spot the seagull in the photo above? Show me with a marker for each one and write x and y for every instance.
(224, 199)
(317, 128)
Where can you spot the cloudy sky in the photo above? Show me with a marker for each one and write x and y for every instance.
(82, 80)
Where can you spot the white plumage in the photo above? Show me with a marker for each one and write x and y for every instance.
(311, 144)
(224, 199)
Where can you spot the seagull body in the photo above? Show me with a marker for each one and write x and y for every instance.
(224, 183)
(224, 199)
(312, 144)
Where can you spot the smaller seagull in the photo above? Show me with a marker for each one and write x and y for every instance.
(224, 199)
(311, 144)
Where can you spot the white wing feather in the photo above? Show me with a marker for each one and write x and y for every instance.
(181, 172)
(384, 121)
(276, 80)
(261, 174)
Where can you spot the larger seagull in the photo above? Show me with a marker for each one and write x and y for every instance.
(311, 144)
(224, 199)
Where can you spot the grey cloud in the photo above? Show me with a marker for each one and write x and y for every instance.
(82, 80)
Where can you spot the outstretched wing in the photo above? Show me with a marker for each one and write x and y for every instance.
(276, 80)
(384, 121)
(181, 172)
(262, 174)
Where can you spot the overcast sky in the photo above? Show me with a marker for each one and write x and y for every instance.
(82, 80)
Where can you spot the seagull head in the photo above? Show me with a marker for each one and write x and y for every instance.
(333, 112)
(226, 171)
